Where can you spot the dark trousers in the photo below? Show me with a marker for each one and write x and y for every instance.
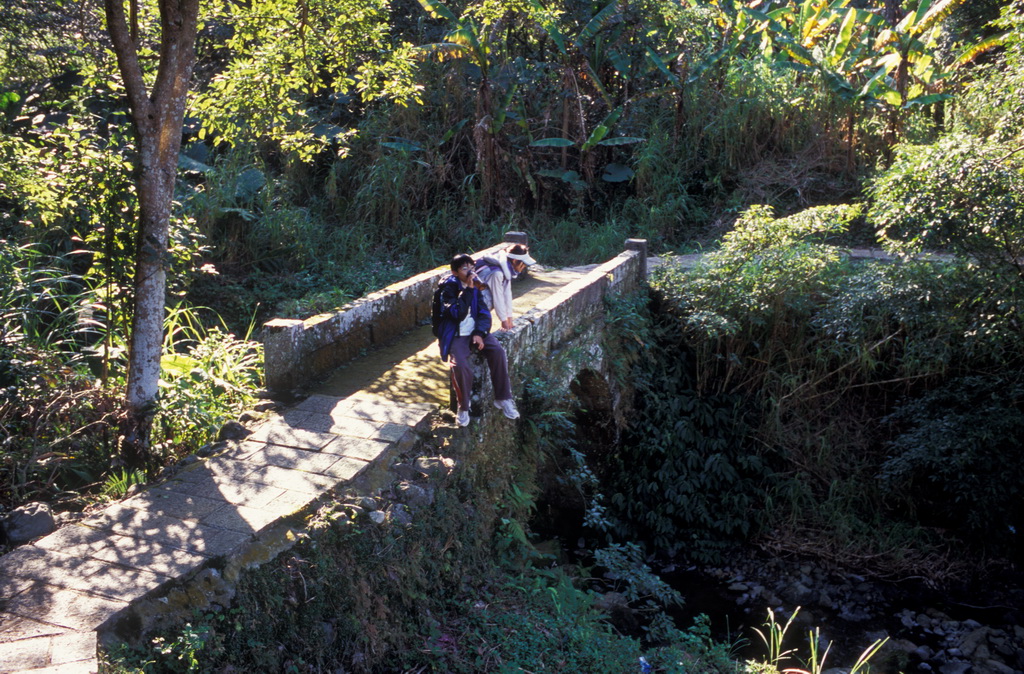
(462, 368)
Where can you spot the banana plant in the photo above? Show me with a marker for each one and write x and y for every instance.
(739, 29)
(600, 54)
(906, 56)
(469, 41)
(612, 173)
(833, 40)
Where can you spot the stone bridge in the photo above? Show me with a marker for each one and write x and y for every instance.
(368, 384)
(551, 307)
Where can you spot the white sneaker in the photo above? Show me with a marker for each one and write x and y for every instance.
(462, 418)
(508, 407)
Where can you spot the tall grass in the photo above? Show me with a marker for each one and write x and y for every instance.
(209, 376)
(53, 419)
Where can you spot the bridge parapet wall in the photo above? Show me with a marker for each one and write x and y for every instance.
(570, 320)
(297, 352)
(559, 319)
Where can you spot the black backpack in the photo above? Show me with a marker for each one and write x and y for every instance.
(435, 311)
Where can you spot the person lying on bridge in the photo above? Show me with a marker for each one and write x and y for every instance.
(496, 273)
(465, 327)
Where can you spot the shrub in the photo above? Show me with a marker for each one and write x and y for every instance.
(992, 104)
(54, 422)
(752, 298)
(811, 352)
(683, 476)
(918, 319)
(960, 194)
(209, 379)
(957, 462)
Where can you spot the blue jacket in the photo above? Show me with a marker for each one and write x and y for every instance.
(456, 303)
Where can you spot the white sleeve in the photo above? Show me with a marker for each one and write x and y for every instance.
(501, 294)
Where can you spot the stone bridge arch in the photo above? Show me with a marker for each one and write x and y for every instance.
(598, 412)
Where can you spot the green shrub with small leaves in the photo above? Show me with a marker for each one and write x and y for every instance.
(684, 476)
(209, 377)
(815, 351)
(956, 462)
(961, 194)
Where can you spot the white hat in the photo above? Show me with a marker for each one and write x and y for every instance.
(522, 257)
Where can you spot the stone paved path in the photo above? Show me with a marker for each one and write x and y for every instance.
(56, 593)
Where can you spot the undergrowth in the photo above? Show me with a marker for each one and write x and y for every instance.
(845, 384)
(459, 587)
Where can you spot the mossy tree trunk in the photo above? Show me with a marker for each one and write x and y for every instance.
(157, 117)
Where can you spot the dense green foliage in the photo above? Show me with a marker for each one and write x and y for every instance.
(333, 147)
(878, 394)
(683, 476)
(957, 462)
(929, 199)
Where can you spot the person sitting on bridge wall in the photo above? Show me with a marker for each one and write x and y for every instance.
(496, 272)
(465, 327)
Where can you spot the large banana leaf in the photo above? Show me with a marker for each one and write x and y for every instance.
(601, 130)
(437, 10)
(502, 112)
(595, 24)
(551, 142)
(927, 99)
(660, 65)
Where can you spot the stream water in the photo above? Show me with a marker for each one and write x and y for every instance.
(971, 628)
(968, 628)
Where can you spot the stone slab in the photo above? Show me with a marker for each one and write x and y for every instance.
(17, 628)
(72, 647)
(84, 574)
(290, 436)
(175, 504)
(294, 459)
(373, 409)
(24, 654)
(242, 450)
(294, 416)
(318, 422)
(319, 403)
(44, 566)
(294, 480)
(169, 531)
(354, 428)
(289, 502)
(83, 667)
(242, 519)
(347, 468)
(251, 494)
(385, 413)
(390, 433)
(64, 608)
(155, 558)
(121, 583)
(11, 585)
(75, 540)
(219, 466)
(357, 448)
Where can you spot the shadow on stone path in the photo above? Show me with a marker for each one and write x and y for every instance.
(126, 565)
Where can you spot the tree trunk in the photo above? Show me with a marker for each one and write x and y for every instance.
(157, 117)
(892, 12)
